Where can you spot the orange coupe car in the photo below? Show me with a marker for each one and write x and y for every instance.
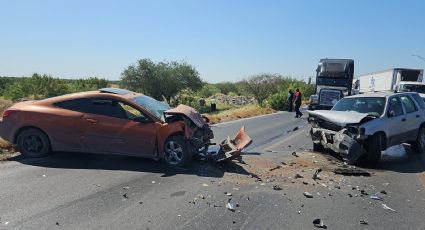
(112, 121)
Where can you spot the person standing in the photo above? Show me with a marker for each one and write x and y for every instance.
(297, 102)
(213, 104)
(290, 101)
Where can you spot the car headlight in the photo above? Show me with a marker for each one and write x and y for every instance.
(314, 99)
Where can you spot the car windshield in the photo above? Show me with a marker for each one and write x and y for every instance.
(155, 107)
(413, 88)
(371, 105)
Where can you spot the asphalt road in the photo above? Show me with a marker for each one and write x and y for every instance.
(82, 191)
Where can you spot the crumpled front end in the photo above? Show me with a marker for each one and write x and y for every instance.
(346, 139)
(349, 148)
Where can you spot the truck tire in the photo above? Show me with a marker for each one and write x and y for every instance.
(317, 147)
(419, 145)
(177, 151)
(33, 143)
(373, 153)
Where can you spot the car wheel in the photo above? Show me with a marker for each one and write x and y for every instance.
(33, 143)
(419, 145)
(177, 151)
(373, 154)
(317, 147)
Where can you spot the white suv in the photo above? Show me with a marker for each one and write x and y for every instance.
(361, 126)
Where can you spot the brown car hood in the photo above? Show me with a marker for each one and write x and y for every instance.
(189, 112)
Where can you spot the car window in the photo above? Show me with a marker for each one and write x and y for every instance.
(395, 105)
(419, 100)
(409, 105)
(132, 113)
(79, 105)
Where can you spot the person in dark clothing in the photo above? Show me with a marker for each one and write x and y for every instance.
(290, 101)
(297, 102)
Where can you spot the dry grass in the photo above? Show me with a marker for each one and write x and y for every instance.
(4, 104)
(238, 113)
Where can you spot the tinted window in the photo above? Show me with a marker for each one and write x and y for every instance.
(79, 105)
(409, 105)
(419, 100)
(395, 105)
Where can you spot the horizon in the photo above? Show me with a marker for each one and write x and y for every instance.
(224, 41)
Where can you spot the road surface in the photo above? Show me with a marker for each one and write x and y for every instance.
(82, 191)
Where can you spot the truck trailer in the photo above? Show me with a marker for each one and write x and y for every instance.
(395, 79)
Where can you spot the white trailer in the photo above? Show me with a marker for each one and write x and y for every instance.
(390, 80)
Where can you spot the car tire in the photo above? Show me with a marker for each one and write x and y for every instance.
(33, 143)
(419, 145)
(177, 151)
(317, 147)
(373, 153)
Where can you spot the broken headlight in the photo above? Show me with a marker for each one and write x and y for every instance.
(356, 130)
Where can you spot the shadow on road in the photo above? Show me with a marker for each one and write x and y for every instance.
(65, 160)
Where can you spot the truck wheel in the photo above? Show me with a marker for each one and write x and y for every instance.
(373, 154)
(419, 145)
(317, 147)
(177, 151)
(33, 143)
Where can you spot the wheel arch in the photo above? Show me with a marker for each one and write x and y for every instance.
(384, 140)
(23, 128)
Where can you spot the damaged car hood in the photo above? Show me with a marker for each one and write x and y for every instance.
(189, 112)
(341, 118)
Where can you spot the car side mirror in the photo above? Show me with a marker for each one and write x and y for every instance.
(142, 119)
(391, 113)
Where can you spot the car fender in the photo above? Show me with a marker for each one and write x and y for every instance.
(170, 129)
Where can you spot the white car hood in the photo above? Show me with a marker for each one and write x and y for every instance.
(341, 118)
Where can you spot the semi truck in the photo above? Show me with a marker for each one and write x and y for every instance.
(334, 80)
(395, 79)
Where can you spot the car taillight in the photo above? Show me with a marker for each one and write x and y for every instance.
(9, 112)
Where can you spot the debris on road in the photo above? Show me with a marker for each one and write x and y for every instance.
(316, 174)
(125, 195)
(295, 128)
(153, 182)
(298, 176)
(384, 192)
(228, 194)
(318, 223)
(351, 172)
(375, 197)
(388, 208)
(308, 195)
(276, 187)
(231, 206)
(205, 185)
(201, 196)
(364, 222)
(274, 168)
(126, 188)
(294, 154)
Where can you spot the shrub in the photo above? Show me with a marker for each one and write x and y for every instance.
(278, 101)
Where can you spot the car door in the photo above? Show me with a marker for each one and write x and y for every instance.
(413, 117)
(396, 124)
(109, 128)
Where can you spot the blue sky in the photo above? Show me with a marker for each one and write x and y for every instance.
(224, 40)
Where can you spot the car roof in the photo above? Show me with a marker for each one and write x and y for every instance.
(385, 94)
(111, 92)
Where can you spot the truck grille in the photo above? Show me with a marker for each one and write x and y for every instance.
(327, 96)
(329, 125)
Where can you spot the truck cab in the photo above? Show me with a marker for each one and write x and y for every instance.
(334, 80)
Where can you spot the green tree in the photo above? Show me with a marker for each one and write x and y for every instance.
(262, 85)
(160, 79)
